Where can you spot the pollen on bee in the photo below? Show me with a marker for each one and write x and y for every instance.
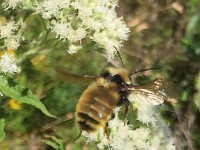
(102, 81)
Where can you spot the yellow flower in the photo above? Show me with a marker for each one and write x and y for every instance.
(40, 62)
(2, 20)
(9, 51)
(14, 104)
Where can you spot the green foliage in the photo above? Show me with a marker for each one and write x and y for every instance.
(192, 35)
(196, 138)
(194, 6)
(197, 94)
(55, 142)
(185, 95)
(2, 132)
(23, 95)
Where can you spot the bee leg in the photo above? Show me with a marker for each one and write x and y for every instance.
(78, 136)
(126, 103)
(106, 130)
(112, 116)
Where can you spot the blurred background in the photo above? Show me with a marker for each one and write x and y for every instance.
(162, 33)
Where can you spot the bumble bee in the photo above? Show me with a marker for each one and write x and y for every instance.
(109, 90)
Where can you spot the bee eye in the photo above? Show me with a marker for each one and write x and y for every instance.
(106, 74)
(116, 78)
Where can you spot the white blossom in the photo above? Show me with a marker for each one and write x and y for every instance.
(65, 31)
(7, 63)
(95, 20)
(109, 30)
(123, 137)
(73, 49)
(1, 94)
(76, 35)
(13, 42)
(12, 3)
(145, 113)
(161, 137)
(171, 145)
(121, 30)
(61, 29)
(50, 8)
(84, 12)
(162, 141)
(108, 43)
(8, 29)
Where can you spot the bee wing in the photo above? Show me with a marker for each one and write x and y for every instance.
(64, 75)
(151, 93)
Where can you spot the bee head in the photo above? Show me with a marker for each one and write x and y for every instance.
(117, 75)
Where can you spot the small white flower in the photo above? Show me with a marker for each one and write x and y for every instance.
(171, 145)
(73, 49)
(50, 8)
(11, 3)
(65, 31)
(162, 141)
(83, 11)
(8, 29)
(162, 138)
(61, 29)
(76, 35)
(121, 29)
(124, 137)
(7, 63)
(111, 51)
(93, 136)
(109, 44)
(13, 42)
(145, 113)
(1, 94)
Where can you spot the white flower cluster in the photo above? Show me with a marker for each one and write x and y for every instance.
(75, 20)
(145, 113)
(50, 8)
(7, 63)
(72, 21)
(11, 41)
(7, 29)
(11, 3)
(125, 137)
(9, 33)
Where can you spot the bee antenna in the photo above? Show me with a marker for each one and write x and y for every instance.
(119, 57)
(144, 70)
(78, 137)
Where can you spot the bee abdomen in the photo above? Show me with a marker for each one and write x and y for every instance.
(95, 107)
(85, 126)
(86, 122)
(86, 117)
(93, 114)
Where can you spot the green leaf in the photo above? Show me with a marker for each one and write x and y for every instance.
(185, 96)
(55, 142)
(52, 144)
(17, 92)
(197, 95)
(2, 132)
